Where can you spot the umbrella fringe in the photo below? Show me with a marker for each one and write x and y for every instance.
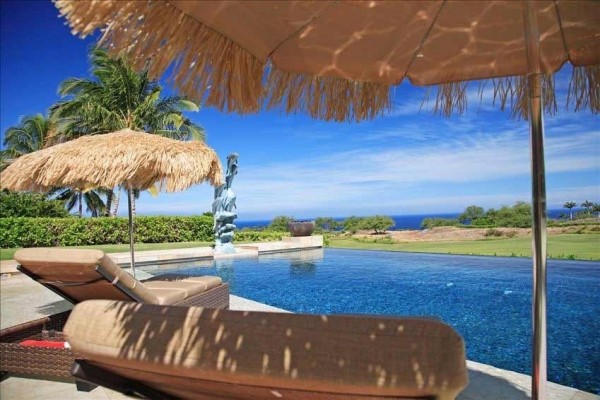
(584, 89)
(450, 97)
(207, 66)
(509, 93)
(325, 97)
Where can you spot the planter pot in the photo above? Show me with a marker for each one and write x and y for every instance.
(301, 228)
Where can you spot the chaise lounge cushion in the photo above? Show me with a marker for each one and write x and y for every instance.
(188, 285)
(84, 274)
(209, 281)
(196, 353)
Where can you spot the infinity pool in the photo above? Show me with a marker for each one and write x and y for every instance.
(486, 299)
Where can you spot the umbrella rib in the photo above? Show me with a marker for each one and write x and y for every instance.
(297, 31)
(425, 37)
(562, 32)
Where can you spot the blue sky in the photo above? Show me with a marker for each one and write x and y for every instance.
(406, 162)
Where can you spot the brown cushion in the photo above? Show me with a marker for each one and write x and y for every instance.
(41, 257)
(195, 353)
(168, 296)
(75, 274)
(209, 281)
(190, 288)
(70, 272)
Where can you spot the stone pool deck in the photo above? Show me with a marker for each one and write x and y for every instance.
(22, 300)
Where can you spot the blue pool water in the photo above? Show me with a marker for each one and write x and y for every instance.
(486, 299)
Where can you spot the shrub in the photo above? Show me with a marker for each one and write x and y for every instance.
(247, 235)
(493, 233)
(280, 223)
(43, 232)
(13, 204)
(517, 216)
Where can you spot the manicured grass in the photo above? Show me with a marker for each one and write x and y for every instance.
(563, 246)
(7, 254)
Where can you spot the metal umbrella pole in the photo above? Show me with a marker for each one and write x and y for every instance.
(129, 195)
(539, 239)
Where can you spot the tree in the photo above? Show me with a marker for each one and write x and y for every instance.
(15, 204)
(31, 134)
(570, 205)
(118, 97)
(91, 198)
(588, 205)
(327, 223)
(352, 224)
(377, 223)
(280, 223)
(596, 209)
(517, 216)
(471, 214)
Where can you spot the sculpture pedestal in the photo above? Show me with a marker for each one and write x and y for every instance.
(304, 241)
(224, 248)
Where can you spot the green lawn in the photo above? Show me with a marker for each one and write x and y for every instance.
(564, 246)
(7, 254)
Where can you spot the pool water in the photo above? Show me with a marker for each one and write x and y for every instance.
(486, 299)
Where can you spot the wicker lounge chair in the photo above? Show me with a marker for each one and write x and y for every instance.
(79, 275)
(163, 352)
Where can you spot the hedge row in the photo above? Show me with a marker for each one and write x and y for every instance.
(43, 232)
(247, 235)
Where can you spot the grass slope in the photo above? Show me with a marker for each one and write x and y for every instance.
(563, 246)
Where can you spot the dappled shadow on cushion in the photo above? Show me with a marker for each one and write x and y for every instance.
(187, 351)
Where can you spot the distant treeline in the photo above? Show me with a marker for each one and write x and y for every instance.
(516, 216)
(375, 223)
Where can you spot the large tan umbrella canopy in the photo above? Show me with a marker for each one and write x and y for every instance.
(340, 59)
(135, 160)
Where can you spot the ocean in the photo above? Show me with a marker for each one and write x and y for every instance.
(403, 222)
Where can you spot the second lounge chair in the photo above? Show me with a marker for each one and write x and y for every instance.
(83, 274)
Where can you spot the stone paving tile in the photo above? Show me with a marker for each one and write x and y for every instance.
(18, 388)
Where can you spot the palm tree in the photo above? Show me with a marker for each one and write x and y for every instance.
(91, 198)
(570, 205)
(29, 135)
(118, 97)
(588, 205)
(34, 132)
(596, 209)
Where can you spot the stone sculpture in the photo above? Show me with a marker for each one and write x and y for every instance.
(222, 208)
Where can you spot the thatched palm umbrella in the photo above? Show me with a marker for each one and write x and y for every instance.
(135, 160)
(339, 60)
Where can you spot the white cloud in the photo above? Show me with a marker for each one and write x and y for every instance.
(470, 166)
